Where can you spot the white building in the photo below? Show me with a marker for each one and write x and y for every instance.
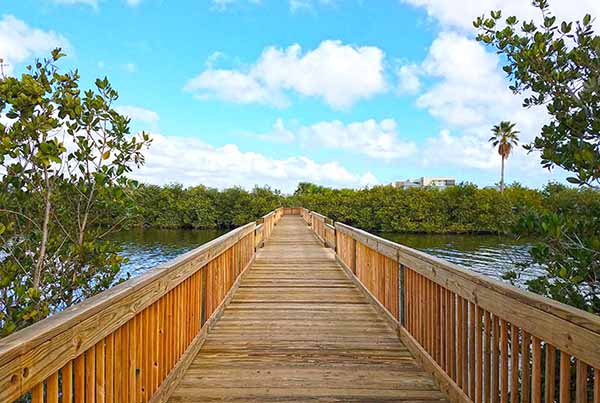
(440, 182)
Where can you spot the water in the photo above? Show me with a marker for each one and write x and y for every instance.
(486, 254)
(147, 248)
(492, 255)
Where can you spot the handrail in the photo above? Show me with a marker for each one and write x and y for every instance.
(130, 342)
(484, 340)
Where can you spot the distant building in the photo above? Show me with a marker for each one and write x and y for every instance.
(440, 182)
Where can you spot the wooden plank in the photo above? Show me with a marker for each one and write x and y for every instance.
(67, 383)
(581, 377)
(536, 370)
(48, 345)
(565, 378)
(266, 347)
(52, 388)
(550, 374)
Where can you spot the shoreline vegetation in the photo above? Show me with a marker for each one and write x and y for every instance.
(461, 209)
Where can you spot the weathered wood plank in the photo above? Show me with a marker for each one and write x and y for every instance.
(298, 329)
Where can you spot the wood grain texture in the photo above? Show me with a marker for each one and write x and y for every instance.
(298, 329)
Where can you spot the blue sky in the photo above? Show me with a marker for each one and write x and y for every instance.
(337, 92)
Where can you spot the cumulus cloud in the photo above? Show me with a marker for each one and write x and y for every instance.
(339, 74)
(449, 14)
(139, 114)
(19, 42)
(192, 162)
(408, 79)
(470, 94)
(377, 140)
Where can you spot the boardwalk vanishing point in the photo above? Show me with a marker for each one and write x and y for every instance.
(296, 307)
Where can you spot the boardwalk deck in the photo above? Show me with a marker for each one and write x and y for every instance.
(298, 329)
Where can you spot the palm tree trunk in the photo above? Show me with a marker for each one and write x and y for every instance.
(502, 176)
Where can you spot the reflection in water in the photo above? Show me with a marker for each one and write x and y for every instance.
(491, 255)
(147, 248)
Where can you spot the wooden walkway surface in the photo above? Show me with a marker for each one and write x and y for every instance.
(298, 329)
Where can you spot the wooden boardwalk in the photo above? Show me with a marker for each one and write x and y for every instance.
(298, 329)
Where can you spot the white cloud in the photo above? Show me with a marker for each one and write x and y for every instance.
(233, 86)
(192, 162)
(279, 133)
(378, 140)
(20, 42)
(450, 14)
(470, 94)
(133, 3)
(139, 114)
(340, 74)
(408, 79)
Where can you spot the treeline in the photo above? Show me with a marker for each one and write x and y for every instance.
(464, 208)
(200, 207)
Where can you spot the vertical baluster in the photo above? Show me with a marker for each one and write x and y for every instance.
(133, 364)
(581, 382)
(52, 388)
(565, 377)
(37, 393)
(438, 324)
(536, 369)
(465, 346)
(125, 361)
(514, 364)
(459, 337)
(504, 361)
(443, 326)
(487, 356)
(90, 375)
(453, 360)
(100, 373)
(495, 359)
(526, 372)
(550, 374)
(109, 351)
(67, 382)
(80, 378)
(472, 329)
(118, 369)
(479, 360)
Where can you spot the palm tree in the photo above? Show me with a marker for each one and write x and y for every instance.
(505, 137)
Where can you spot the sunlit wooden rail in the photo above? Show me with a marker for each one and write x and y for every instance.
(281, 311)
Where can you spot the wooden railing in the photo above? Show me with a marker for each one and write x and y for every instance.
(132, 342)
(484, 340)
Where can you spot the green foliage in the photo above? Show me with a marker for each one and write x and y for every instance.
(556, 65)
(174, 206)
(568, 247)
(64, 156)
(459, 209)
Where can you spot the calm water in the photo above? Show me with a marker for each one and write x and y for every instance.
(146, 248)
(486, 254)
(491, 255)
